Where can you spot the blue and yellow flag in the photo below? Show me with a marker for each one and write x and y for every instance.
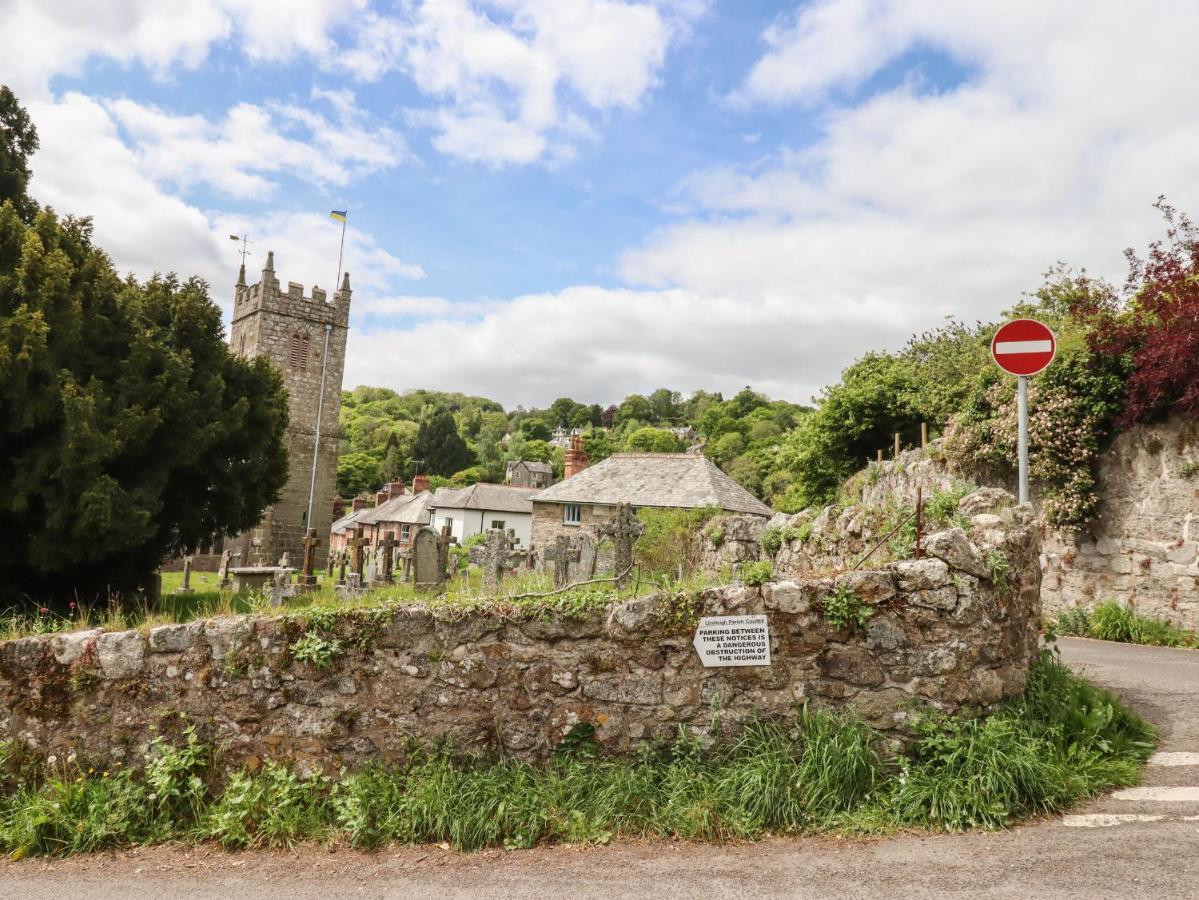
(338, 214)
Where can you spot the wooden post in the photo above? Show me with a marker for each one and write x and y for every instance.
(897, 444)
(919, 517)
(923, 435)
(880, 456)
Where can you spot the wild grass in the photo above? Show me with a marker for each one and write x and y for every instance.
(1112, 622)
(821, 772)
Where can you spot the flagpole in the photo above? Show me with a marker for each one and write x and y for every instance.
(340, 252)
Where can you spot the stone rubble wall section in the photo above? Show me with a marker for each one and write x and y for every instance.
(942, 637)
(1143, 548)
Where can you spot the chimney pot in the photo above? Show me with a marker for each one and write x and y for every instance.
(420, 483)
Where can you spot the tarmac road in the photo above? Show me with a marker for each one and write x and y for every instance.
(1142, 842)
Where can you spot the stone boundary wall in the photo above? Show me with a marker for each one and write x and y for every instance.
(941, 636)
(1142, 549)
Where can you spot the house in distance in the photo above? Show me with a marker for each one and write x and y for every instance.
(481, 507)
(643, 480)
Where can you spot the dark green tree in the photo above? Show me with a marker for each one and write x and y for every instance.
(440, 445)
(357, 473)
(128, 431)
(18, 141)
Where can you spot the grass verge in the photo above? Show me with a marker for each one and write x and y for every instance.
(1063, 741)
(1112, 622)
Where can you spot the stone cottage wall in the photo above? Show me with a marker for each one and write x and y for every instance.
(941, 636)
(1142, 549)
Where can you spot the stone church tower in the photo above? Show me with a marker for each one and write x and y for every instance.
(305, 337)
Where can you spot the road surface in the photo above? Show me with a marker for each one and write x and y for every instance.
(1141, 842)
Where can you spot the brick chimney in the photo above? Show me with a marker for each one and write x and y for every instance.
(359, 503)
(420, 483)
(382, 497)
(395, 488)
(339, 507)
(576, 457)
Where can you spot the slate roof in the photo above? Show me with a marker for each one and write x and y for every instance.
(674, 480)
(532, 465)
(490, 497)
(407, 509)
(348, 520)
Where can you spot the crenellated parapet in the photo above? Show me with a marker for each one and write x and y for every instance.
(268, 296)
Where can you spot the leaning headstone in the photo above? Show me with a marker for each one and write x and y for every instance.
(224, 582)
(427, 569)
(186, 587)
(624, 529)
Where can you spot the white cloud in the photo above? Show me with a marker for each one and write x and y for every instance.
(912, 204)
(43, 38)
(85, 168)
(507, 75)
(236, 155)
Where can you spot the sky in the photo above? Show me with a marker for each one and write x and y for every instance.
(590, 198)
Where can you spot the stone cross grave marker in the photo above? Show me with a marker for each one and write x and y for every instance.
(624, 528)
(562, 555)
(443, 550)
(358, 542)
(387, 546)
(224, 582)
(186, 587)
(428, 572)
(497, 557)
(341, 567)
(307, 580)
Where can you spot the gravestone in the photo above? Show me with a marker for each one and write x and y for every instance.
(428, 573)
(357, 544)
(387, 563)
(224, 582)
(582, 569)
(281, 585)
(561, 555)
(186, 587)
(453, 570)
(341, 568)
(624, 529)
(308, 577)
(444, 549)
(496, 557)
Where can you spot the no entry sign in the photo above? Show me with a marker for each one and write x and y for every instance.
(1023, 347)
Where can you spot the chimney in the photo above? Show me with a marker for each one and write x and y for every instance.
(359, 503)
(382, 497)
(396, 488)
(576, 457)
(339, 507)
(420, 483)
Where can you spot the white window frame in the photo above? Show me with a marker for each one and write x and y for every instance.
(497, 524)
(572, 514)
(405, 532)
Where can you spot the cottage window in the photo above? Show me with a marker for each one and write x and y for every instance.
(297, 352)
(572, 514)
(497, 524)
(405, 533)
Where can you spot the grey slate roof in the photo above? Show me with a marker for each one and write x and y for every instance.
(407, 509)
(676, 480)
(349, 520)
(491, 497)
(532, 465)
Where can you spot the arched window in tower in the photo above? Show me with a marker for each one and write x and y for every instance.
(297, 355)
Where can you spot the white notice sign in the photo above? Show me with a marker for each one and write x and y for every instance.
(733, 641)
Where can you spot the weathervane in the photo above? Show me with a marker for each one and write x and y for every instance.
(245, 241)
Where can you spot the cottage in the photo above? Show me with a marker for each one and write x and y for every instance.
(480, 507)
(530, 474)
(653, 480)
(402, 515)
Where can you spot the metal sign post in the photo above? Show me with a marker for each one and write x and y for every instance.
(1023, 347)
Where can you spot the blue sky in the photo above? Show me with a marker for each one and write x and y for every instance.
(592, 197)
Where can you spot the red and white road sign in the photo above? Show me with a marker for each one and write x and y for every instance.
(1023, 347)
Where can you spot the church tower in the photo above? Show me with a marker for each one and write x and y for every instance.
(305, 338)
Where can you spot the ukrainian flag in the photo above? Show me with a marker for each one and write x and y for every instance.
(338, 214)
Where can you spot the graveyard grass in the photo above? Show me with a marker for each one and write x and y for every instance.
(1063, 741)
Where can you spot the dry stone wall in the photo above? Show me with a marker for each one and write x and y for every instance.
(1141, 550)
(942, 635)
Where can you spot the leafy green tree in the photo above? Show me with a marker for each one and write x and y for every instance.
(535, 430)
(634, 408)
(128, 430)
(357, 473)
(470, 476)
(18, 141)
(440, 445)
(652, 440)
(538, 451)
(599, 446)
(726, 447)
